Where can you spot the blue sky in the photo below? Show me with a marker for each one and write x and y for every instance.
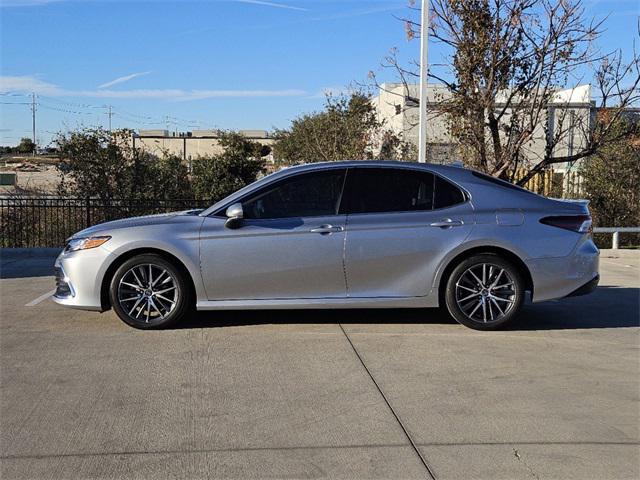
(233, 64)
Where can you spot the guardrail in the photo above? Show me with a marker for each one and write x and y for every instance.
(615, 244)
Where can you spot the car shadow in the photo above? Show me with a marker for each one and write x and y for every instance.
(607, 307)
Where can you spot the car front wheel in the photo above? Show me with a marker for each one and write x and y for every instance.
(149, 292)
(484, 292)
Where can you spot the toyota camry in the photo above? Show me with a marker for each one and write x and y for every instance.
(340, 235)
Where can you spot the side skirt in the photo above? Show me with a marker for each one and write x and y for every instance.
(429, 301)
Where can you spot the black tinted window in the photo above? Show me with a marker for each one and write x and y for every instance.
(389, 190)
(305, 195)
(497, 181)
(446, 194)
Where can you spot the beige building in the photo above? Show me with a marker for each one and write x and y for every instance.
(194, 144)
(570, 112)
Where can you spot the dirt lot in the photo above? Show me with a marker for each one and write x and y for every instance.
(308, 394)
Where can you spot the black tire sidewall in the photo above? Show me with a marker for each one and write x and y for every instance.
(183, 295)
(450, 294)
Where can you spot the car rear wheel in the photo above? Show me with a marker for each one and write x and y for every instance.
(149, 292)
(484, 292)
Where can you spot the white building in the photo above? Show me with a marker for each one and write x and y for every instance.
(191, 145)
(397, 105)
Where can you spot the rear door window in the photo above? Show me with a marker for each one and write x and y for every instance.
(381, 190)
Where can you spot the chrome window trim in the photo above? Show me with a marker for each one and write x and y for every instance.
(467, 195)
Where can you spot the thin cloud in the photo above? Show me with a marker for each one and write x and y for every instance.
(123, 79)
(273, 4)
(26, 3)
(28, 84)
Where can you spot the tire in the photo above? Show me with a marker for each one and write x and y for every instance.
(150, 300)
(484, 301)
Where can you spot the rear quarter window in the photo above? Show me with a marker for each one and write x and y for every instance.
(501, 183)
(446, 194)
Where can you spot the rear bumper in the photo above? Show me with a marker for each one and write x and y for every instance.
(559, 277)
(587, 288)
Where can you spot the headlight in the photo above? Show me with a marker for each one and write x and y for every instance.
(84, 243)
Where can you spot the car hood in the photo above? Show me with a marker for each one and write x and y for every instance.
(142, 221)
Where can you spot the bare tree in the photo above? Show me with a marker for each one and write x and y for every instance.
(510, 73)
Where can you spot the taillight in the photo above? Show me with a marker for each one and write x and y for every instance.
(575, 223)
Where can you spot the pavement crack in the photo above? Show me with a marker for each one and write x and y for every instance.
(413, 444)
(522, 460)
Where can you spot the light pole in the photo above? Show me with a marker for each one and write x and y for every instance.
(424, 68)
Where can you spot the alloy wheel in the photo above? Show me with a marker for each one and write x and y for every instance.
(485, 293)
(148, 293)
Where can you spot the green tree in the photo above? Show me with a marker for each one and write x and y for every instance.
(611, 179)
(98, 163)
(26, 145)
(347, 129)
(216, 176)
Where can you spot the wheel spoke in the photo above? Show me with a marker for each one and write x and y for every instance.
(148, 308)
(131, 298)
(493, 300)
(480, 284)
(131, 285)
(493, 285)
(140, 284)
(159, 277)
(143, 274)
(141, 309)
(160, 292)
(468, 297)
(503, 299)
(135, 305)
(475, 309)
(165, 299)
(466, 288)
(150, 276)
(153, 304)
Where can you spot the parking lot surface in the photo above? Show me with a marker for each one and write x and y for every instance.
(315, 394)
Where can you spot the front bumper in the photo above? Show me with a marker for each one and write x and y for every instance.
(79, 278)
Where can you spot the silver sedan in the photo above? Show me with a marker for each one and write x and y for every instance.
(340, 235)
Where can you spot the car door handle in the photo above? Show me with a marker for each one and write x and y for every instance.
(447, 222)
(326, 229)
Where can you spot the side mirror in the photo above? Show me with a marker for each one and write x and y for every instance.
(235, 214)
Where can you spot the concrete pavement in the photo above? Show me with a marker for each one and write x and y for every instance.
(314, 394)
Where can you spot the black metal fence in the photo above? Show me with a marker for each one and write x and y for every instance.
(49, 221)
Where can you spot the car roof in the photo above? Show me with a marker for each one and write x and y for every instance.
(446, 170)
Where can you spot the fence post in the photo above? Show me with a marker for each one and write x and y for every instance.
(616, 240)
(88, 210)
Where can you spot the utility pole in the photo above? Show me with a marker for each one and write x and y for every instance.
(33, 118)
(424, 69)
(110, 114)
